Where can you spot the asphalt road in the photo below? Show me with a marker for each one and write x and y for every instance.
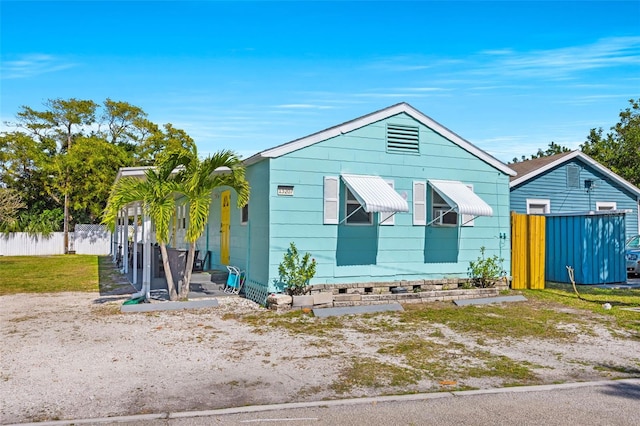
(586, 404)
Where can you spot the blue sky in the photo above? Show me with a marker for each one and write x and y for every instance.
(508, 76)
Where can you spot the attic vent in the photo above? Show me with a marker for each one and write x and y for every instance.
(573, 176)
(403, 139)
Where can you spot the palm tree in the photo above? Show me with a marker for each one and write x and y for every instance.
(157, 194)
(196, 180)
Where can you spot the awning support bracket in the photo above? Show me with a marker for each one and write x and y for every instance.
(350, 214)
(434, 220)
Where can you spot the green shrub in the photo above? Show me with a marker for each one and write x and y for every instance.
(485, 270)
(294, 272)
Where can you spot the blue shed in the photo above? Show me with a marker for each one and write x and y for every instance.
(591, 243)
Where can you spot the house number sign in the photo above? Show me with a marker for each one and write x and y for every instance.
(285, 190)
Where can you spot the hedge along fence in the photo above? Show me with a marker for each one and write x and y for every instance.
(87, 239)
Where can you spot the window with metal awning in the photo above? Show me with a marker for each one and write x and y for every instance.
(455, 197)
(373, 194)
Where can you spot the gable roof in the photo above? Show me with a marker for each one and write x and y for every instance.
(529, 169)
(523, 168)
(365, 120)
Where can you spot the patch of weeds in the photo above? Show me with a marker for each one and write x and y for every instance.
(437, 334)
(454, 360)
(433, 359)
(295, 322)
(370, 373)
(520, 321)
(309, 391)
(615, 369)
(503, 367)
(106, 309)
(592, 300)
(322, 343)
(23, 318)
(375, 324)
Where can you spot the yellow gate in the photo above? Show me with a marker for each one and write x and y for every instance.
(527, 251)
(225, 225)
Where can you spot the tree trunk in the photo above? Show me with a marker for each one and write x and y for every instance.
(184, 290)
(167, 273)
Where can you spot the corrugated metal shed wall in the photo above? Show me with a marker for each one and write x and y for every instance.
(592, 244)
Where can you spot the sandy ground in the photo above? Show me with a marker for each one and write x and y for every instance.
(73, 355)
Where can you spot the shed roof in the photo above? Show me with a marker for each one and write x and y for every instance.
(529, 169)
(373, 117)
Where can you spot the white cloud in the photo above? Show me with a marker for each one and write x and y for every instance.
(32, 65)
(303, 106)
(563, 62)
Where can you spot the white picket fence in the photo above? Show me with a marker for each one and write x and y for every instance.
(87, 239)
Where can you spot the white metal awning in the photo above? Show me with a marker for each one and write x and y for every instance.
(461, 198)
(375, 194)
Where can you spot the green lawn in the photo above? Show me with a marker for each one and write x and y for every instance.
(48, 274)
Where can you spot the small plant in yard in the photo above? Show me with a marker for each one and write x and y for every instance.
(295, 272)
(485, 270)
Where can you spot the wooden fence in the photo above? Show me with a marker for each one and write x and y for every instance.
(87, 239)
(527, 251)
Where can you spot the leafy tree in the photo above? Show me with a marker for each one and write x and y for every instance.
(126, 124)
(619, 150)
(156, 193)
(40, 160)
(196, 180)
(552, 149)
(10, 205)
(94, 163)
(159, 141)
(58, 121)
(44, 222)
(24, 168)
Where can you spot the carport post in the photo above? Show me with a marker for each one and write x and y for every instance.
(135, 245)
(146, 261)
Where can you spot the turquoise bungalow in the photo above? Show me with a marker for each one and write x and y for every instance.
(392, 196)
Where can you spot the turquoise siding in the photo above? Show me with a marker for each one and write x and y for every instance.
(371, 253)
(552, 185)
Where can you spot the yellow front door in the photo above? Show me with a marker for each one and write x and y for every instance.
(225, 225)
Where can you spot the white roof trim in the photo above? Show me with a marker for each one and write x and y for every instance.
(375, 194)
(584, 157)
(461, 198)
(372, 118)
(138, 172)
(132, 172)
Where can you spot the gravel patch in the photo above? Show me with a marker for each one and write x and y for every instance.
(74, 355)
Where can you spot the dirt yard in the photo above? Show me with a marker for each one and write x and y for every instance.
(74, 355)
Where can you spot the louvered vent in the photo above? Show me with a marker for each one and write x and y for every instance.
(573, 176)
(403, 139)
